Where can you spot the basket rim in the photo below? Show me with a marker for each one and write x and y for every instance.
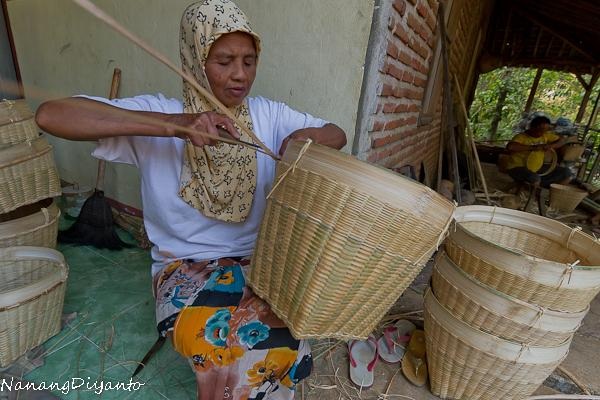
(385, 184)
(22, 152)
(33, 222)
(489, 344)
(14, 297)
(545, 319)
(550, 229)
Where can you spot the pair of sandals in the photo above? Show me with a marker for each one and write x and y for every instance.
(399, 343)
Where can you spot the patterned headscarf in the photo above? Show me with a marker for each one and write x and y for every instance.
(220, 180)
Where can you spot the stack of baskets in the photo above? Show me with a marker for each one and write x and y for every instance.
(508, 294)
(33, 274)
(341, 240)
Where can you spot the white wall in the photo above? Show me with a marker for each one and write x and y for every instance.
(313, 57)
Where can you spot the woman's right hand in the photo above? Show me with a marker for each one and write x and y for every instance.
(207, 122)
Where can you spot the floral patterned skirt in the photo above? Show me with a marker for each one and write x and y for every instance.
(238, 348)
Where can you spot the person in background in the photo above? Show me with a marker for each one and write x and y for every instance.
(204, 200)
(527, 152)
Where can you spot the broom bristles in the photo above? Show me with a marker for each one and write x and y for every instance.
(94, 225)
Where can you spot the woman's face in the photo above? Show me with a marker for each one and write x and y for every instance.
(231, 67)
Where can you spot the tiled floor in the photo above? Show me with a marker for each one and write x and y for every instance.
(113, 329)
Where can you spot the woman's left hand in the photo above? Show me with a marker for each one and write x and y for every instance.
(329, 135)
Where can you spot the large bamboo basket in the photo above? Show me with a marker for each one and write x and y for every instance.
(32, 289)
(340, 241)
(565, 198)
(466, 363)
(13, 111)
(37, 229)
(496, 313)
(18, 132)
(27, 174)
(532, 258)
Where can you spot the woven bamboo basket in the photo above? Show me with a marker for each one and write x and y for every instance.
(466, 363)
(496, 313)
(27, 174)
(37, 229)
(18, 132)
(340, 241)
(532, 258)
(32, 289)
(13, 111)
(565, 198)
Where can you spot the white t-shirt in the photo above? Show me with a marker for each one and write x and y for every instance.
(177, 230)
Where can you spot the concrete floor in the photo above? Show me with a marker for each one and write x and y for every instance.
(111, 326)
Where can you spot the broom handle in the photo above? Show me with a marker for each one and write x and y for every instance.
(114, 89)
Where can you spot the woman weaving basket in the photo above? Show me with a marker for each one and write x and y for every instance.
(204, 200)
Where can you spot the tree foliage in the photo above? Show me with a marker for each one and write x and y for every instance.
(559, 94)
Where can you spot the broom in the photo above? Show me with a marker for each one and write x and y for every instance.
(95, 226)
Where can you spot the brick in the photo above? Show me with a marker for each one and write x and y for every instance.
(412, 108)
(420, 82)
(400, 32)
(388, 90)
(413, 2)
(405, 58)
(378, 126)
(392, 49)
(389, 108)
(384, 141)
(422, 9)
(395, 72)
(431, 22)
(413, 23)
(400, 6)
(401, 108)
(408, 76)
(418, 48)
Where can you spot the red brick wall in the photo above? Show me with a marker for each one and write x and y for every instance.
(395, 135)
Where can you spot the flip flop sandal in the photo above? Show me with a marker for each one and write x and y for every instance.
(363, 357)
(414, 366)
(392, 344)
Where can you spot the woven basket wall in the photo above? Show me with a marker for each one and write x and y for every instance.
(27, 174)
(535, 259)
(38, 229)
(14, 111)
(496, 313)
(32, 289)
(565, 198)
(340, 241)
(465, 363)
(18, 132)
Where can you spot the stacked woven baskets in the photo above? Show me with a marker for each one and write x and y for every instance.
(32, 273)
(508, 294)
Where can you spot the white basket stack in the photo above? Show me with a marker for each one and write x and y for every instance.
(33, 274)
(508, 294)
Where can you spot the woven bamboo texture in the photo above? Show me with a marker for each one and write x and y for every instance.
(332, 257)
(13, 111)
(496, 313)
(465, 363)
(565, 198)
(32, 288)
(27, 174)
(39, 229)
(18, 132)
(534, 259)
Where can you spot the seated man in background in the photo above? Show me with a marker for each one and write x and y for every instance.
(527, 151)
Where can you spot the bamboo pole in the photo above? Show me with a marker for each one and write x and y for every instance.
(471, 139)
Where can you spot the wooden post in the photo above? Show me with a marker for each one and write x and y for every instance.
(533, 91)
(586, 97)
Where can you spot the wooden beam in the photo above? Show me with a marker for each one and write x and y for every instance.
(12, 49)
(585, 84)
(537, 41)
(586, 97)
(533, 91)
(557, 34)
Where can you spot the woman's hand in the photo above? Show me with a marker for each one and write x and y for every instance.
(206, 122)
(329, 135)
